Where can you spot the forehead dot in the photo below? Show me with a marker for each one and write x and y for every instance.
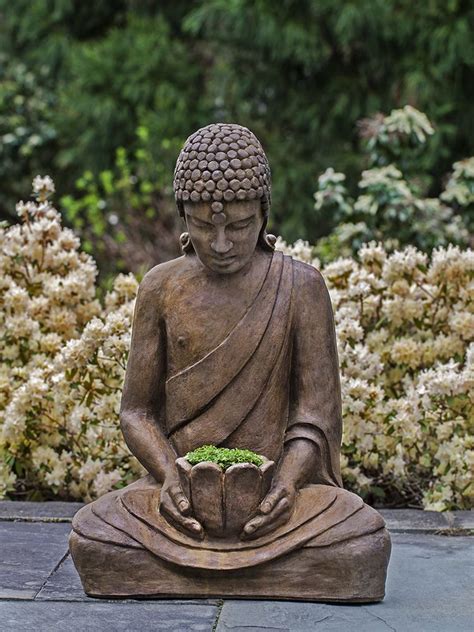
(218, 218)
(217, 207)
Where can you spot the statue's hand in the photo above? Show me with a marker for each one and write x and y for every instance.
(274, 510)
(175, 505)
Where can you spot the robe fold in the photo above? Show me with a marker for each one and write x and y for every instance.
(323, 516)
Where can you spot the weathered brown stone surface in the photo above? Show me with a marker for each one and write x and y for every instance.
(233, 344)
(339, 573)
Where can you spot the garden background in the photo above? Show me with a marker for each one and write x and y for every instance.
(366, 112)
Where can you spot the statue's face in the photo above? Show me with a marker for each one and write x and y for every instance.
(224, 242)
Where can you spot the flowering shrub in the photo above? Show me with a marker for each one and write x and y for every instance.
(62, 361)
(405, 328)
(392, 205)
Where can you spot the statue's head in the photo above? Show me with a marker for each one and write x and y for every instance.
(223, 191)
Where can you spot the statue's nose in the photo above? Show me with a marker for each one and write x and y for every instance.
(221, 245)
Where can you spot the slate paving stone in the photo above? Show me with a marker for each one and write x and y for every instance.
(463, 519)
(29, 554)
(414, 520)
(58, 616)
(429, 586)
(429, 589)
(65, 585)
(23, 510)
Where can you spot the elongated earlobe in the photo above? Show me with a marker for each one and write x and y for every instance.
(186, 245)
(270, 240)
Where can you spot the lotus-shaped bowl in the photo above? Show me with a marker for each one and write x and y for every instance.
(223, 501)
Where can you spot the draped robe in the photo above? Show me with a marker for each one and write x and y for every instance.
(240, 393)
(272, 378)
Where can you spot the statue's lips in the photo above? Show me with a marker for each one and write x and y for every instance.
(224, 260)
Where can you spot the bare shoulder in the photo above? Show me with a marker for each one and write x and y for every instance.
(162, 280)
(158, 278)
(307, 278)
(310, 292)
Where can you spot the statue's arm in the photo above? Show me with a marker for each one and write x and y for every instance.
(313, 433)
(315, 401)
(142, 398)
(143, 389)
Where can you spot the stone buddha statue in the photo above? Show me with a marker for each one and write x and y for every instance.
(233, 345)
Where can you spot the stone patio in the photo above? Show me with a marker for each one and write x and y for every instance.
(429, 584)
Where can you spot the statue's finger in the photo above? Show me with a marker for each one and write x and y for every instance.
(194, 526)
(271, 500)
(180, 500)
(264, 524)
(270, 525)
(252, 525)
(190, 525)
(280, 507)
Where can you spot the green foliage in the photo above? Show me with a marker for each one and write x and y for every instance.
(298, 73)
(109, 69)
(138, 75)
(122, 213)
(301, 73)
(27, 132)
(400, 137)
(392, 206)
(224, 457)
(459, 191)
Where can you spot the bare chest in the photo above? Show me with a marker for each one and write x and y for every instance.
(198, 317)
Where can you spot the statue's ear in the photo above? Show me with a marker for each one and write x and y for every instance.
(265, 240)
(186, 244)
(184, 239)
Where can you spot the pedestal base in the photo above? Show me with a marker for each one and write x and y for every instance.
(350, 571)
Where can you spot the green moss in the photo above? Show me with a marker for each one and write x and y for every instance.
(225, 457)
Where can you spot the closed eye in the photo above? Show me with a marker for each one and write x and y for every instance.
(199, 223)
(242, 224)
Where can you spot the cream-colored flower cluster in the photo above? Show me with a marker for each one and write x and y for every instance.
(405, 328)
(62, 360)
(300, 250)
